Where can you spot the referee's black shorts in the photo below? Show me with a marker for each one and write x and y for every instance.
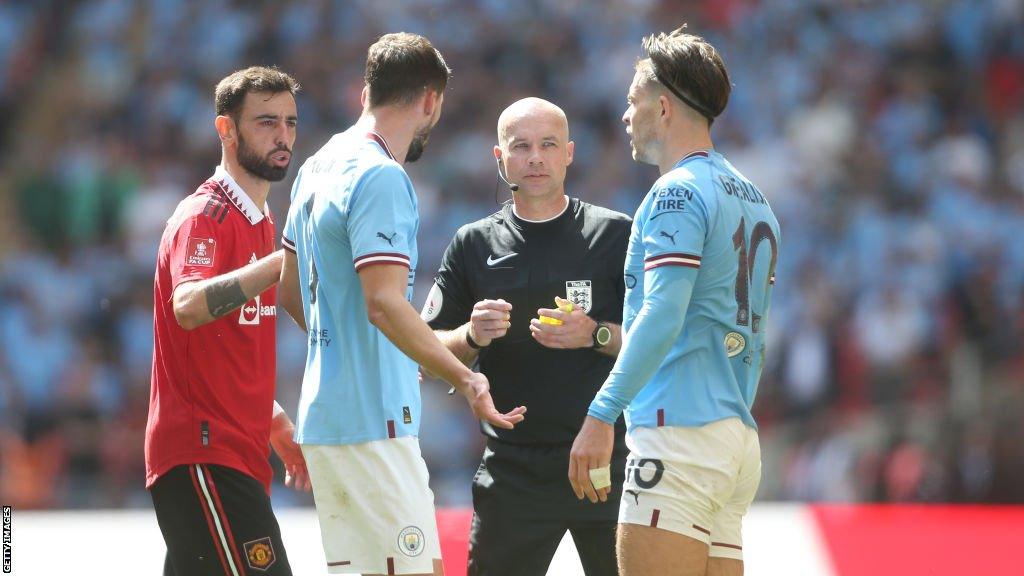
(523, 504)
(217, 521)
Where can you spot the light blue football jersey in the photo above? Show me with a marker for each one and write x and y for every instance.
(352, 206)
(706, 228)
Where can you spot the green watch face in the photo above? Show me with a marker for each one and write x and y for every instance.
(603, 336)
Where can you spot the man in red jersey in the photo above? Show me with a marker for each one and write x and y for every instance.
(212, 411)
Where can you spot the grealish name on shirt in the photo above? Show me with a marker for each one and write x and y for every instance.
(742, 190)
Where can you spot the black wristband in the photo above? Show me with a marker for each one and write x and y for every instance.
(470, 342)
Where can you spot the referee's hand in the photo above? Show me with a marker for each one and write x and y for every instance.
(575, 331)
(490, 319)
(478, 394)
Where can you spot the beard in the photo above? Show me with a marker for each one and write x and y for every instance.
(641, 145)
(418, 144)
(261, 167)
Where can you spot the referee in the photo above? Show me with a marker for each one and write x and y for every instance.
(499, 278)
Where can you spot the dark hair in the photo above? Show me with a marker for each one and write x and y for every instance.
(400, 66)
(230, 92)
(689, 67)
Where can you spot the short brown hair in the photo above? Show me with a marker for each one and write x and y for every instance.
(230, 92)
(400, 66)
(689, 67)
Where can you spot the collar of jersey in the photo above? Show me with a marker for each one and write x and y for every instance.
(524, 222)
(238, 196)
(692, 155)
(380, 142)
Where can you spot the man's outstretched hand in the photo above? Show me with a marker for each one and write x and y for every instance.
(478, 394)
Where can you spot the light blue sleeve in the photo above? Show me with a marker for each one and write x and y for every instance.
(289, 234)
(651, 336)
(382, 219)
(675, 225)
(673, 236)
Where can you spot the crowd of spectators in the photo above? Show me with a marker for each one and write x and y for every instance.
(888, 136)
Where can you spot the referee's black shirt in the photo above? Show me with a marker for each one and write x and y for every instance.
(578, 255)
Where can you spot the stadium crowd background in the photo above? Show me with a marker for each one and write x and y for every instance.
(888, 136)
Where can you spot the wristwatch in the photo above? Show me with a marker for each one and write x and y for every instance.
(602, 335)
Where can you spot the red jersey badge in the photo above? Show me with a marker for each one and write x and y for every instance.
(200, 251)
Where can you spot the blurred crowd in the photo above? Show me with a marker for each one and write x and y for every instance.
(888, 136)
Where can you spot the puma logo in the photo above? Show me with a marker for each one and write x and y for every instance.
(671, 237)
(392, 237)
(635, 494)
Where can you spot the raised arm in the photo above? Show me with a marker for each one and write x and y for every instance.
(488, 320)
(200, 302)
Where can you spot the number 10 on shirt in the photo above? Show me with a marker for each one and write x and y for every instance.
(747, 254)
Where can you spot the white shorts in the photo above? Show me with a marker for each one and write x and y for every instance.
(698, 482)
(375, 506)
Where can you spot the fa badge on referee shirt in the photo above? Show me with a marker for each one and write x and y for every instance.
(580, 294)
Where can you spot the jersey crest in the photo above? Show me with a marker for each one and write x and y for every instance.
(581, 294)
(200, 252)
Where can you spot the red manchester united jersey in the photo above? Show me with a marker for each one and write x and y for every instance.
(212, 388)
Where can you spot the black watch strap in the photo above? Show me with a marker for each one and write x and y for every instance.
(470, 342)
(601, 336)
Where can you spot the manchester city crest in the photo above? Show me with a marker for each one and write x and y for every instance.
(581, 295)
(734, 344)
(411, 541)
